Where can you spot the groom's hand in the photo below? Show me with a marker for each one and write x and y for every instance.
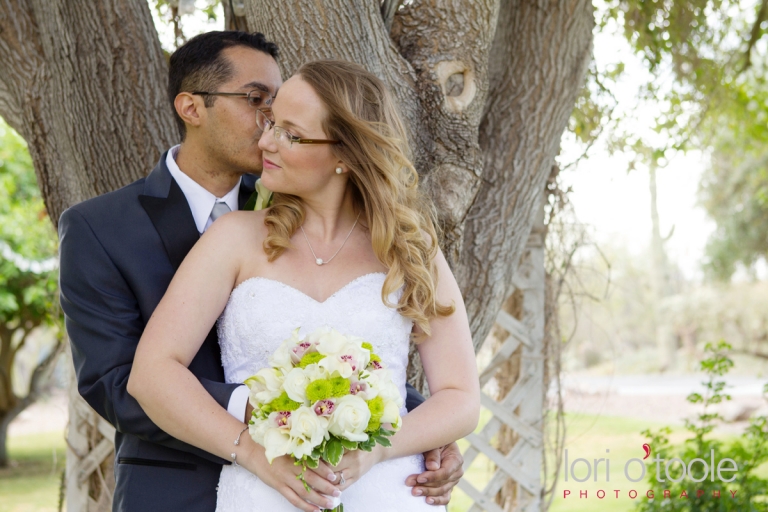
(444, 470)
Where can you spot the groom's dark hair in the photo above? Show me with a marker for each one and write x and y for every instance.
(198, 65)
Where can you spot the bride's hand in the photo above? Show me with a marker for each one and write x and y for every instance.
(356, 463)
(282, 474)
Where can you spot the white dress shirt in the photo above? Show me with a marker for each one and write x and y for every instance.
(201, 203)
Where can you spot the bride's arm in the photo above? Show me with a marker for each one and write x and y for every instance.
(448, 357)
(170, 394)
(453, 409)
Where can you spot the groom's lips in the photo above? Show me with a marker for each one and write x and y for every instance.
(269, 164)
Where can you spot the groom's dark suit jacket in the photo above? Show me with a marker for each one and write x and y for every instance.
(119, 252)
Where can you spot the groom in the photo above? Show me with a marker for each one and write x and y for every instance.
(120, 251)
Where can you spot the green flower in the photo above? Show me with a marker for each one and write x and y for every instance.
(282, 403)
(310, 358)
(373, 426)
(339, 387)
(319, 390)
(376, 406)
(368, 346)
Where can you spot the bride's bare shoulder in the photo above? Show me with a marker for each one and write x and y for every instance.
(239, 229)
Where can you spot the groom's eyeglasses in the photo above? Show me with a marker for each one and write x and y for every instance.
(282, 136)
(256, 99)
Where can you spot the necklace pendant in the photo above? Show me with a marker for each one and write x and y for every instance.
(319, 261)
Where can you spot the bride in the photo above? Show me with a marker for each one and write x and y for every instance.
(349, 243)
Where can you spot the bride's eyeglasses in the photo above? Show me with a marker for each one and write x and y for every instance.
(282, 136)
(256, 98)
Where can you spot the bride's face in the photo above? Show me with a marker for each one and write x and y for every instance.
(293, 168)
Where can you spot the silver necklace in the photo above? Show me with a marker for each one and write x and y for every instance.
(320, 261)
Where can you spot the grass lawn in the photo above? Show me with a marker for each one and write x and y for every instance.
(31, 483)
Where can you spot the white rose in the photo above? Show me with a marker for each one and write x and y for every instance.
(295, 384)
(350, 418)
(265, 386)
(277, 443)
(310, 426)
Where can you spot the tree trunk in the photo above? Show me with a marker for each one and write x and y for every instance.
(234, 15)
(486, 88)
(83, 83)
(5, 422)
(661, 282)
(538, 60)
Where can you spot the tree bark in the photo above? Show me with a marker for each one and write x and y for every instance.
(234, 15)
(537, 64)
(83, 83)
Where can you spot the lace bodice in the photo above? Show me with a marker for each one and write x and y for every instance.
(262, 312)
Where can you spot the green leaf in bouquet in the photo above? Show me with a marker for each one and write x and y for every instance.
(333, 451)
(368, 444)
(385, 432)
(312, 463)
(383, 441)
(349, 445)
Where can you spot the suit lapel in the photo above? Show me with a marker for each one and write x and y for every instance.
(247, 186)
(169, 211)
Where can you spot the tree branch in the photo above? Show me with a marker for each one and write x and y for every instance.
(21, 61)
(233, 18)
(756, 33)
(41, 375)
(388, 10)
(536, 70)
(448, 43)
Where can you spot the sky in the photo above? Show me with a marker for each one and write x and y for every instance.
(613, 203)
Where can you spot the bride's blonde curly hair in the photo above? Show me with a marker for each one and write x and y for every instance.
(374, 146)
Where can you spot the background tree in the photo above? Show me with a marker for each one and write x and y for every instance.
(486, 87)
(28, 298)
(707, 77)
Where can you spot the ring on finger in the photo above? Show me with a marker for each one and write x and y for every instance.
(342, 480)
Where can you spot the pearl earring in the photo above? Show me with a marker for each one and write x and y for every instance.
(339, 170)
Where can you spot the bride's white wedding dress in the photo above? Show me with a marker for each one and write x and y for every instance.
(260, 314)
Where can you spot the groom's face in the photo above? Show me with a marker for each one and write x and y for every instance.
(230, 131)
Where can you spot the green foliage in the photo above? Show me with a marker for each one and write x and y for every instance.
(749, 452)
(707, 66)
(26, 298)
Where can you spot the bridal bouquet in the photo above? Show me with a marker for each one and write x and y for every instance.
(323, 394)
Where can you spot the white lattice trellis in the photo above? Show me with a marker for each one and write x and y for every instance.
(522, 408)
(90, 448)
